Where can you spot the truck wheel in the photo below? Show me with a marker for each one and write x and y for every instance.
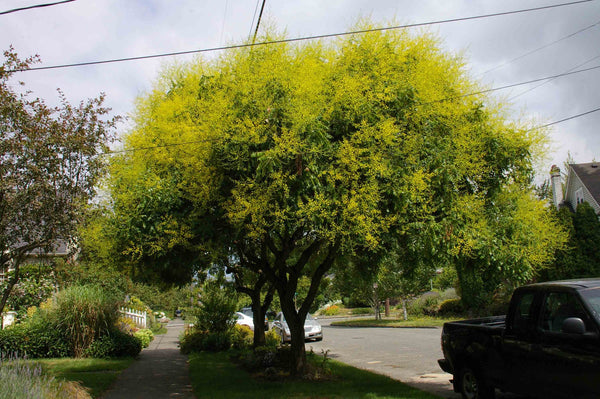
(473, 386)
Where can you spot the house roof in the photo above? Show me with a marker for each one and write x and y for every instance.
(589, 174)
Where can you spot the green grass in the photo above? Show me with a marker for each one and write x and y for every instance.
(422, 322)
(95, 374)
(213, 375)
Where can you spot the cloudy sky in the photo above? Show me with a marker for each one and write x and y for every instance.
(565, 38)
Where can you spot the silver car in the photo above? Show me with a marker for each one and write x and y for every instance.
(312, 328)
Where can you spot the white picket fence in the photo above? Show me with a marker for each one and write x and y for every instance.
(139, 317)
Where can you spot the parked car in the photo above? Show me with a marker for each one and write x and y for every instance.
(312, 328)
(547, 346)
(244, 320)
(248, 312)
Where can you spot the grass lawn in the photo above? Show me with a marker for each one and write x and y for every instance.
(422, 322)
(95, 374)
(213, 375)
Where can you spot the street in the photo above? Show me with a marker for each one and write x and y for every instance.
(406, 354)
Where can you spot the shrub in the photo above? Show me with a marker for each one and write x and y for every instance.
(426, 305)
(219, 303)
(361, 311)
(126, 325)
(192, 341)
(115, 344)
(20, 379)
(272, 339)
(332, 310)
(145, 336)
(451, 307)
(217, 342)
(35, 339)
(241, 337)
(84, 314)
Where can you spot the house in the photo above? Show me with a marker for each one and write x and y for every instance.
(582, 185)
(36, 256)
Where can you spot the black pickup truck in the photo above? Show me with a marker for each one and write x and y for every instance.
(547, 346)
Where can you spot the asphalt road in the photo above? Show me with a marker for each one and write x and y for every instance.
(406, 354)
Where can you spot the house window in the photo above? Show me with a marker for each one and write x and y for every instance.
(578, 196)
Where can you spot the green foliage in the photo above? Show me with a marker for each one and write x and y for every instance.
(145, 336)
(581, 256)
(241, 337)
(192, 341)
(35, 285)
(426, 305)
(84, 314)
(114, 344)
(217, 341)
(358, 311)
(272, 339)
(23, 380)
(446, 279)
(38, 338)
(450, 307)
(218, 304)
(332, 310)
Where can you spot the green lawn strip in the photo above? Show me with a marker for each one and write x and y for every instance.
(422, 322)
(213, 375)
(95, 374)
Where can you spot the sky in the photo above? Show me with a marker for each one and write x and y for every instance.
(497, 50)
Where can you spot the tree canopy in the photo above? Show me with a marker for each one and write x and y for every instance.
(49, 166)
(290, 155)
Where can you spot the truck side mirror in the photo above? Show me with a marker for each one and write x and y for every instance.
(573, 325)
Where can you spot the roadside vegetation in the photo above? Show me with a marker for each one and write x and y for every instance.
(214, 375)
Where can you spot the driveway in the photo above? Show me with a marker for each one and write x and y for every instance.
(406, 354)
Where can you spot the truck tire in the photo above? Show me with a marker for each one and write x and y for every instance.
(473, 386)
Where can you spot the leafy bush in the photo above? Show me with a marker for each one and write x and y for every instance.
(145, 336)
(84, 314)
(451, 307)
(219, 303)
(332, 310)
(426, 305)
(24, 380)
(35, 339)
(192, 341)
(217, 342)
(126, 325)
(242, 337)
(272, 339)
(115, 344)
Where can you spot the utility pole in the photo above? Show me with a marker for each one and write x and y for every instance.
(258, 22)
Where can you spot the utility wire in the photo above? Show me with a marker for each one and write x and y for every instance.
(253, 18)
(565, 119)
(550, 79)
(35, 6)
(262, 8)
(224, 19)
(540, 48)
(298, 39)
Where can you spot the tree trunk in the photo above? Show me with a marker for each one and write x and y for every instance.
(6, 293)
(296, 325)
(387, 307)
(404, 309)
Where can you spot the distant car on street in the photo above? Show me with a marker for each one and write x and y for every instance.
(244, 320)
(312, 328)
(248, 312)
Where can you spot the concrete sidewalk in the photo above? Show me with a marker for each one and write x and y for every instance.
(160, 372)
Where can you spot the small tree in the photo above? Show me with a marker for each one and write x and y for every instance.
(49, 165)
(218, 303)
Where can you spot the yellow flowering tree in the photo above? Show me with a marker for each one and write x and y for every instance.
(291, 155)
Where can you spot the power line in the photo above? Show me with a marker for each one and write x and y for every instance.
(35, 6)
(550, 79)
(298, 39)
(540, 48)
(565, 119)
(258, 22)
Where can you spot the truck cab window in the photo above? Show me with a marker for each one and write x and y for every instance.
(560, 306)
(523, 314)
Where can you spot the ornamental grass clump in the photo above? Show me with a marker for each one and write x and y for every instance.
(21, 379)
(84, 313)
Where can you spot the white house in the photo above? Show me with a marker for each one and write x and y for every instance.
(583, 185)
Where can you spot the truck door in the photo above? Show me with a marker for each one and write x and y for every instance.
(570, 361)
(521, 341)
